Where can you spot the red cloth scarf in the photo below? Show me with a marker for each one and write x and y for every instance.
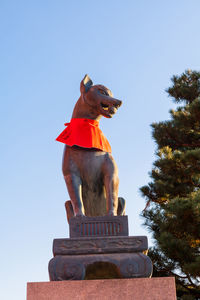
(84, 133)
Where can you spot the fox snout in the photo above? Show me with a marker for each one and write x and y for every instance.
(118, 103)
(111, 103)
(109, 106)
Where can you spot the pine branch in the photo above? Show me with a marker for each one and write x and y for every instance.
(190, 280)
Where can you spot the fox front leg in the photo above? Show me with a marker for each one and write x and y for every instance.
(74, 187)
(111, 183)
(73, 182)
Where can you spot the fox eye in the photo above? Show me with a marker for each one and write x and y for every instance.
(103, 92)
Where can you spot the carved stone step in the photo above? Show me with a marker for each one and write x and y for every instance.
(98, 226)
(100, 245)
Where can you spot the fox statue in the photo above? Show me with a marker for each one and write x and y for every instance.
(89, 170)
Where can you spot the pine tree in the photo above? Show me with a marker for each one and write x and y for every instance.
(172, 212)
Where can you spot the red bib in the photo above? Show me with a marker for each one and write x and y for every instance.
(84, 133)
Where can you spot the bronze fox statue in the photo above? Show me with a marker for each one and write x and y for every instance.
(90, 172)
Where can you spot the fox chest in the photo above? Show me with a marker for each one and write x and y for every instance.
(88, 164)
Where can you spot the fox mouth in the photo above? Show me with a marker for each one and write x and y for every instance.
(104, 106)
(108, 110)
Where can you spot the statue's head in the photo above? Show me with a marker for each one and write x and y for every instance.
(99, 98)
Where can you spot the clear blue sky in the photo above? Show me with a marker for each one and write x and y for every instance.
(132, 47)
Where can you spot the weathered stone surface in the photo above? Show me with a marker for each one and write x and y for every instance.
(127, 289)
(123, 265)
(97, 250)
(98, 226)
(100, 245)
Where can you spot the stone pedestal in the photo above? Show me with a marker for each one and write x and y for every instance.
(117, 289)
(99, 248)
(100, 261)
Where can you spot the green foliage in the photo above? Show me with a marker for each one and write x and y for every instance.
(185, 87)
(173, 196)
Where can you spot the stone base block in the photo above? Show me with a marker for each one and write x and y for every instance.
(99, 266)
(127, 289)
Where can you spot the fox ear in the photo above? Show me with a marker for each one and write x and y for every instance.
(86, 83)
